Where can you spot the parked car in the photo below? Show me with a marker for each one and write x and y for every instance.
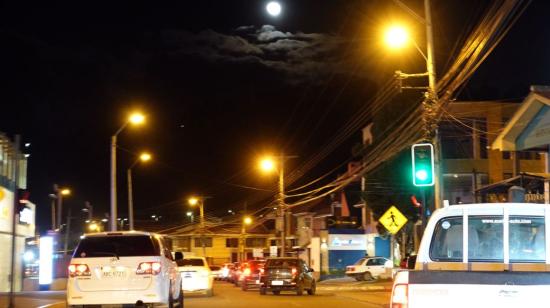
(226, 270)
(196, 275)
(123, 268)
(370, 268)
(251, 274)
(287, 274)
(216, 272)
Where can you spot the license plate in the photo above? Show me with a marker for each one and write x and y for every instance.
(277, 283)
(114, 274)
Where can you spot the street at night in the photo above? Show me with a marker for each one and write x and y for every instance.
(275, 153)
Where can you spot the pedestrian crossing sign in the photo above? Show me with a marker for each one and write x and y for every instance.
(393, 220)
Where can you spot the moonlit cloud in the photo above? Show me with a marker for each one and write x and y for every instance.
(301, 56)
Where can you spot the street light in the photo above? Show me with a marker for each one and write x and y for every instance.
(200, 202)
(247, 220)
(58, 196)
(270, 164)
(431, 94)
(396, 36)
(134, 119)
(144, 157)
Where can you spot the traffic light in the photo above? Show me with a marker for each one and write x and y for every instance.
(423, 164)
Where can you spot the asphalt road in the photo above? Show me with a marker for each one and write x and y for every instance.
(228, 296)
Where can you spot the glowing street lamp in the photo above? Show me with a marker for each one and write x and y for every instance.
(247, 220)
(396, 36)
(143, 157)
(193, 201)
(135, 118)
(271, 164)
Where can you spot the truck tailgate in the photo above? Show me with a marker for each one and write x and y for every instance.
(478, 289)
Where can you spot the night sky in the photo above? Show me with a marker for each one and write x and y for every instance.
(221, 82)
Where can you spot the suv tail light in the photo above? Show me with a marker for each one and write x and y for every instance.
(148, 268)
(400, 291)
(294, 271)
(79, 270)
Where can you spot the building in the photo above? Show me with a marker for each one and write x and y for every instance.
(469, 163)
(25, 221)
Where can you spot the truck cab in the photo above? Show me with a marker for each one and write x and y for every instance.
(480, 255)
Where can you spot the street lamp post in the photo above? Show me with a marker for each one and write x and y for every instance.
(268, 165)
(247, 220)
(135, 118)
(200, 202)
(144, 157)
(431, 95)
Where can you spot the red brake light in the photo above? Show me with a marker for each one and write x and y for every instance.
(400, 296)
(79, 270)
(148, 268)
(294, 271)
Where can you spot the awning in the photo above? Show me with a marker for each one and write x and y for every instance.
(529, 128)
(528, 180)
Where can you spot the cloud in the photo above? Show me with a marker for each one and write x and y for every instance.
(300, 56)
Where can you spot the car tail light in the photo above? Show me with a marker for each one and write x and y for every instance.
(246, 271)
(148, 268)
(79, 270)
(262, 271)
(294, 271)
(400, 291)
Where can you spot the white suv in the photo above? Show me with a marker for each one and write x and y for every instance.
(129, 267)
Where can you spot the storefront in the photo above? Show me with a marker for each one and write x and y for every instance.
(25, 229)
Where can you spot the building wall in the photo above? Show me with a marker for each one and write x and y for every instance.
(481, 166)
(218, 253)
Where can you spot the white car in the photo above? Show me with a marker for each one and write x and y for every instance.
(196, 275)
(370, 268)
(131, 267)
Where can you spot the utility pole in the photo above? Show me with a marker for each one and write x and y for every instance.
(67, 231)
(282, 204)
(54, 198)
(434, 101)
(201, 208)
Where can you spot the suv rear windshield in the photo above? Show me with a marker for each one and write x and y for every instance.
(190, 262)
(281, 262)
(116, 246)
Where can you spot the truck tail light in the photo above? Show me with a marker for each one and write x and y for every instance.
(400, 291)
(148, 268)
(79, 270)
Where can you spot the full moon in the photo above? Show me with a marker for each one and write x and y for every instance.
(273, 8)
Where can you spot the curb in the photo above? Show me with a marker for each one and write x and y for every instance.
(353, 288)
(54, 305)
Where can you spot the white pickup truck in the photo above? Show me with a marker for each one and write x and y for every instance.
(480, 255)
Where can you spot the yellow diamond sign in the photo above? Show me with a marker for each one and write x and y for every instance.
(393, 220)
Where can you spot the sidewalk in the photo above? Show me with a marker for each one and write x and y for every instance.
(350, 284)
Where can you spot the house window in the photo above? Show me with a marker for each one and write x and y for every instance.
(207, 242)
(231, 242)
(256, 242)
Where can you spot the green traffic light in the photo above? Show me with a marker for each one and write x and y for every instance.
(422, 175)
